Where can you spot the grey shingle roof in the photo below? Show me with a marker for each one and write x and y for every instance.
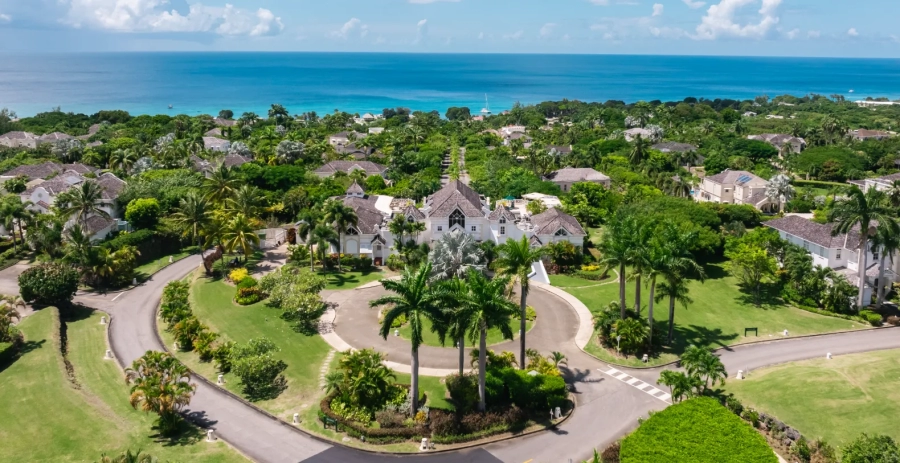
(368, 216)
(46, 169)
(355, 189)
(54, 136)
(18, 135)
(112, 185)
(737, 177)
(501, 211)
(579, 174)
(234, 160)
(412, 211)
(560, 149)
(674, 147)
(815, 232)
(455, 195)
(348, 166)
(56, 185)
(551, 220)
(96, 223)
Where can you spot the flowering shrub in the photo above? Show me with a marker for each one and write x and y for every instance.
(248, 296)
(237, 275)
(590, 268)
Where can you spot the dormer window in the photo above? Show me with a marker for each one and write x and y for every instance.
(457, 218)
(502, 220)
(352, 231)
(561, 232)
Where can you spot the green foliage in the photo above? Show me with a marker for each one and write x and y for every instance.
(752, 265)
(463, 391)
(872, 318)
(535, 393)
(169, 187)
(871, 449)
(830, 163)
(260, 372)
(296, 293)
(143, 213)
(696, 430)
(365, 382)
(49, 283)
(590, 203)
(16, 185)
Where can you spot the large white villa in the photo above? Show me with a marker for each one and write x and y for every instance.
(454, 208)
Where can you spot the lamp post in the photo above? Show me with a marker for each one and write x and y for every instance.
(618, 342)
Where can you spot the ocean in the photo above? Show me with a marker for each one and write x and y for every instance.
(197, 83)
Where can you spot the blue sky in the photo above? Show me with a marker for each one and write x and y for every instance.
(864, 28)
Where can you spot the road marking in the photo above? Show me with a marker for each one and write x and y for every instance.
(120, 294)
(637, 384)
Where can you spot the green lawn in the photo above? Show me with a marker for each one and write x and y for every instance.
(835, 400)
(147, 270)
(717, 318)
(431, 339)
(350, 280)
(211, 301)
(566, 281)
(433, 387)
(44, 419)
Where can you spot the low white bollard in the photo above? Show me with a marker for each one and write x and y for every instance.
(102, 320)
(175, 345)
(646, 358)
(220, 380)
(210, 436)
(296, 418)
(134, 281)
(171, 260)
(828, 356)
(108, 354)
(740, 374)
(396, 332)
(785, 332)
(551, 414)
(558, 413)
(424, 446)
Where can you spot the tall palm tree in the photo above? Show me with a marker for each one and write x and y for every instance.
(83, 202)
(454, 254)
(309, 220)
(639, 151)
(220, 185)
(239, 235)
(886, 244)
(278, 112)
(342, 217)
(515, 261)
(487, 308)
(415, 299)
(675, 289)
(893, 193)
(616, 248)
(246, 200)
(669, 253)
(780, 191)
(160, 384)
(193, 217)
(78, 246)
(863, 211)
(322, 237)
(638, 256)
(399, 227)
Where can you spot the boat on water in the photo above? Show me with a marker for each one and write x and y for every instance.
(486, 110)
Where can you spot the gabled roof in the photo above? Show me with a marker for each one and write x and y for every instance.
(216, 143)
(95, 224)
(234, 160)
(816, 233)
(18, 135)
(535, 241)
(735, 177)
(225, 122)
(54, 136)
(112, 185)
(674, 147)
(368, 216)
(349, 166)
(455, 195)
(567, 149)
(46, 169)
(577, 174)
(412, 211)
(551, 220)
(501, 211)
(355, 189)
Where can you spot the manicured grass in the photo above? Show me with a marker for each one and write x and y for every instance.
(566, 281)
(493, 336)
(43, 418)
(350, 280)
(717, 317)
(433, 387)
(147, 270)
(211, 301)
(835, 400)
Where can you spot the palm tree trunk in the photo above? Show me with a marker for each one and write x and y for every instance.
(650, 308)
(622, 290)
(863, 250)
(12, 225)
(637, 295)
(21, 232)
(482, 366)
(462, 354)
(522, 306)
(671, 319)
(414, 382)
(312, 257)
(880, 289)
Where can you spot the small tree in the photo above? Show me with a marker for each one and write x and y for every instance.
(751, 265)
(50, 284)
(160, 384)
(259, 370)
(143, 212)
(874, 449)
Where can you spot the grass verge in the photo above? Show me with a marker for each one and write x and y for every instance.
(429, 338)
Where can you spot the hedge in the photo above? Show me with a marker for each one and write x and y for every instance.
(150, 243)
(698, 430)
(817, 184)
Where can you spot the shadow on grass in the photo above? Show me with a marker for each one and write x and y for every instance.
(769, 296)
(190, 431)
(24, 349)
(340, 279)
(75, 313)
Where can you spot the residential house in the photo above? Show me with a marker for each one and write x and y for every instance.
(42, 194)
(206, 168)
(674, 147)
(778, 140)
(864, 134)
(632, 134)
(19, 140)
(839, 252)
(45, 170)
(375, 130)
(883, 183)
(370, 168)
(565, 178)
(343, 138)
(750, 114)
(734, 187)
(527, 141)
(368, 117)
(216, 144)
(559, 150)
(221, 122)
(351, 149)
(54, 137)
(873, 104)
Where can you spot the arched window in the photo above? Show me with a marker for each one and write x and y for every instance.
(457, 218)
(502, 220)
(351, 231)
(562, 232)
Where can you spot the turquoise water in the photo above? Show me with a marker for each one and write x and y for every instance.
(194, 83)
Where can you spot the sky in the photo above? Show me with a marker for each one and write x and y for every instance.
(816, 28)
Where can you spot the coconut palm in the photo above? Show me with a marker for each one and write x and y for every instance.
(885, 243)
(558, 358)
(680, 385)
(515, 260)
(247, 200)
(160, 384)
(309, 220)
(341, 217)
(398, 227)
(701, 363)
(863, 211)
(239, 235)
(322, 237)
(639, 151)
(193, 216)
(417, 301)
(616, 248)
(128, 457)
(675, 289)
(220, 185)
(780, 191)
(123, 159)
(669, 252)
(454, 254)
(487, 308)
(278, 112)
(78, 246)
(82, 202)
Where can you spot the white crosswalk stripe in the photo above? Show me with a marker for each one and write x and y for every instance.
(638, 384)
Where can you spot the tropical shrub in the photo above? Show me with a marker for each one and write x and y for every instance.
(237, 275)
(699, 430)
(248, 296)
(186, 331)
(248, 282)
(365, 381)
(143, 213)
(535, 393)
(160, 384)
(50, 284)
(175, 306)
(260, 372)
(463, 391)
(871, 449)
(296, 293)
(872, 318)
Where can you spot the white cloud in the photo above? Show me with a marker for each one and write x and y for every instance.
(348, 27)
(151, 16)
(694, 4)
(720, 20)
(5, 18)
(813, 34)
(600, 2)
(514, 36)
(791, 35)
(658, 9)
(421, 31)
(852, 32)
(547, 30)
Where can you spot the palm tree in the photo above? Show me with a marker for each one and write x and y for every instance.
(322, 237)
(278, 112)
(247, 200)
(193, 217)
(701, 363)
(669, 252)
(83, 202)
(675, 289)
(487, 308)
(78, 246)
(455, 320)
(416, 134)
(398, 227)
(239, 235)
(557, 358)
(616, 248)
(863, 210)
(638, 256)
(515, 261)
(128, 457)
(780, 191)
(342, 217)
(885, 243)
(220, 185)
(639, 151)
(160, 384)
(454, 254)
(416, 300)
(680, 385)
(893, 193)
(309, 220)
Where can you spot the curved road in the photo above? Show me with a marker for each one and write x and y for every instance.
(607, 408)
